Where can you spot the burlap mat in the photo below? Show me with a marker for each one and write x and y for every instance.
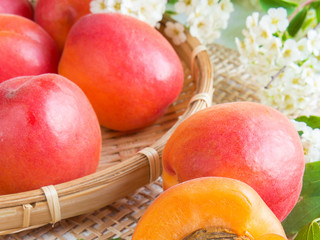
(119, 219)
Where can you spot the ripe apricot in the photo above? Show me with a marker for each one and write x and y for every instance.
(18, 7)
(58, 16)
(49, 133)
(25, 48)
(246, 141)
(206, 208)
(127, 69)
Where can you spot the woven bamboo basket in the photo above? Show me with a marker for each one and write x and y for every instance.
(118, 220)
(129, 160)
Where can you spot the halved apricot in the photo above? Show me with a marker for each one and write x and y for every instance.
(209, 208)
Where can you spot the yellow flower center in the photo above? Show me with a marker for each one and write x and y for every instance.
(287, 53)
(265, 34)
(103, 5)
(275, 21)
(117, 6)
(222, 6)
(187, 2)
(176, 31)
(301, 47)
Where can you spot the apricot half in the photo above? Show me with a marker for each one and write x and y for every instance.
(209, 208)
(242, 140)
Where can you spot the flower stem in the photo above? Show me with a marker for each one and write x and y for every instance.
(299, 8)
(275, 76)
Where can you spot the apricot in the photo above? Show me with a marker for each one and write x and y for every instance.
(127, 69)
(58, 16)
(18, 7)
(243, 140)
(271, 237)
(208, 208)
(25, 48)
(49, 133)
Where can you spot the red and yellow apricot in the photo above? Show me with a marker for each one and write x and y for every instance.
(18, 7)
(58, 16)
(209, 207)
(25, 48)
(246, 141)
(49, 133)
(128, 70)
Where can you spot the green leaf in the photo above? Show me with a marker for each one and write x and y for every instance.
(267, 4)
(172, 1)
(297, 22)
(170, 12)
(307, 23)
(308, 207)
(316, 7)
(311, 121)
(316, 230)
(309, 232)
(303, 233)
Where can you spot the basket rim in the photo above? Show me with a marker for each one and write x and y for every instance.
(202, 72)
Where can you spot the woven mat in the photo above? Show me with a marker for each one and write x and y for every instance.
(119, 219)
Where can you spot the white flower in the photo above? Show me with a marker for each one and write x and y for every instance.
(290, 52)
(114, 5)
(314, 41)
(303, 48)
(310, 139)
(314, 63)
(207, 18)
(98, 6)
(276, 19)
(293, 92)
(150, 11)
(226, 6)
(185, 6)
(176, 32)
(252, 21)
(263, 34)
(272, 49)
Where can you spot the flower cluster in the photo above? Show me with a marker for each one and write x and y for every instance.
(205, 18)
(150, 11)
(287, 69)
(310, 141)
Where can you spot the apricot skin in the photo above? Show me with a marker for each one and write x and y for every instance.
(246, 141)
(18, 7)
(207, 202)
(58, 16)
(49, 133)
(25, 48)
(128, 70)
